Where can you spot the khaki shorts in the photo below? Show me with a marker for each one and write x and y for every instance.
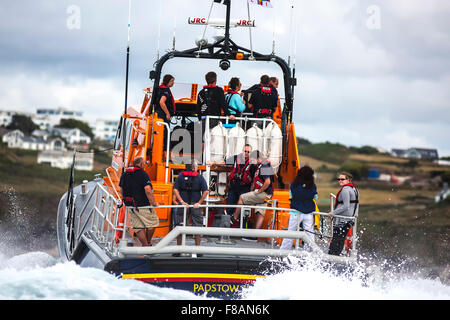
(257, 199)
(144, 218)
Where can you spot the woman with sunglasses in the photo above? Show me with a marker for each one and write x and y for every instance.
(347, 204)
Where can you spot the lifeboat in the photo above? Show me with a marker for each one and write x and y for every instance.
(236, 140)
(94, 227)
(254, 137)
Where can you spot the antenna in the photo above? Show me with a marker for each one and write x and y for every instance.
(126, 88)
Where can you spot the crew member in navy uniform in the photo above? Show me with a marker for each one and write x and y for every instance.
(263, 101)
(241, 176)
(211, 101)
(190, 188)
(165, 106)
(262, 189)
(137, 191)
(347, 204)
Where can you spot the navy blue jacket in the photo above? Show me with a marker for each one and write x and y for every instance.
(302, 199)
(133, 182)
(191, 186)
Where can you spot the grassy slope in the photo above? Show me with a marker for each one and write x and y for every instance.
(39, 186)
(395, 222)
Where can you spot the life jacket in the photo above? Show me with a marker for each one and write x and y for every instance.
(302, 199)
(170, 107)
(208, 100)
(264, 110)
(241, 173)
(127, 188)
(356, 201)
(257, 181)
(230, 94)
(187, 184)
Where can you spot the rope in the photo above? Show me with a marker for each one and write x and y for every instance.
(95, 151)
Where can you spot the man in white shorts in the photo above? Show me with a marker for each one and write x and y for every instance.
(262, 189)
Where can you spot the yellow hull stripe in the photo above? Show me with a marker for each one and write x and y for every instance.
(191, 275)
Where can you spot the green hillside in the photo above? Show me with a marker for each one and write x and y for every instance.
(39, 186)
(396, 220)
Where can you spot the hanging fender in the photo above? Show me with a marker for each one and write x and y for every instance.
(120, 224)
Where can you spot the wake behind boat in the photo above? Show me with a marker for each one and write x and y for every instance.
(94, 227)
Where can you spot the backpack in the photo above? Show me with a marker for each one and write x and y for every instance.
(227, 102)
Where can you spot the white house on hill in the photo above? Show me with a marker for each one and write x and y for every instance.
(63, 159)
(16, 139)
(47, 118)
(105, 129)
(416, 153)
(72, 136)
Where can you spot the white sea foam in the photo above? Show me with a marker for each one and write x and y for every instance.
(311, 280)
(38, 276)
(59, 281)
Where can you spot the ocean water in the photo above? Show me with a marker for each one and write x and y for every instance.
(30, 271)
(39, 276)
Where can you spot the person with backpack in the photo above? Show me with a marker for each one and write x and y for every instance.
(302, 193)
(347, 204)
(233, 97)
(264, 99)
(211, 102)
(137, 192)
(190, 188)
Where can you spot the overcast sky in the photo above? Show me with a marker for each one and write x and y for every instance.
(371, 72)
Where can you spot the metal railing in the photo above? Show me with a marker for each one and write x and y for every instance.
(207, 151)
(104, 213)
(245, 119)
(102, 216)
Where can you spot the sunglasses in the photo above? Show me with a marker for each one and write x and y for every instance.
(339, 179)
(247, 151)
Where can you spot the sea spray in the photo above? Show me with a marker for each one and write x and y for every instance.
(22, 229)
(38, 276)
(29, 273)
(310, 279)
(69, 281)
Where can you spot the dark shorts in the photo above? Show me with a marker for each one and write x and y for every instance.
(195, 214)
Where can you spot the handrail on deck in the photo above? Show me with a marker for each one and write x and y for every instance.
(104, 226)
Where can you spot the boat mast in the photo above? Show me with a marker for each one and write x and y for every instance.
(227, 28)
(225, 50)
(126, 89)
